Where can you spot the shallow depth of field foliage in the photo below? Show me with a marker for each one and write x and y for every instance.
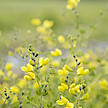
(53, 54)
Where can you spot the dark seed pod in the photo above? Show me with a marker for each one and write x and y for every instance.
(80, 88)
(74, 56)
(29, 49)
(5, 94)
(66, 81)
(83, 86)
(7, 97)
(20, 102)
(22, 93)
(45, 85)
(67, 77)
(78, 64)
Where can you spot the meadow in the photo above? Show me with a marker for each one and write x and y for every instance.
(53, 54)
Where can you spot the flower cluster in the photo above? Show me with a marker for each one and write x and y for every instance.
(72, 4)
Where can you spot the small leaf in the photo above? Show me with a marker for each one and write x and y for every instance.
(28, 97)
(38, 92)
(27, 102)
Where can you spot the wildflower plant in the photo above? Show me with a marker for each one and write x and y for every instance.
(57, 71)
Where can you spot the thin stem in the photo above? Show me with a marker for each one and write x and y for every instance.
(78, 100)
(33, 104)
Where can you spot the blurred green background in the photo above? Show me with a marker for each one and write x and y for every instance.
(18, 13)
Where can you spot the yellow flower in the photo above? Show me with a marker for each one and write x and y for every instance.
(53, 53)
(72, 85)
(57, 52)
(10, 73)
(72, 91)
(74, 44)
(62, 72)
(103, 83)
(55, 63)
(31, 62)
(21, 83)
(36, 22)
(43, 62)
(8, 66)
(62, 101)
(10, 53)
(63, 87)
(48, 24)
(85, 97)
(72, 4)
(42, 30)
(6, 78)
(81, 71)
(14, 99)
(14, 76)
(69, 105)
(46, 61)
(29, 68)
(1, 73)
(14, 89)
(61, 39)
(32, 75)
(68, 68)
(36, 85)
(27, 77)
(62, 79)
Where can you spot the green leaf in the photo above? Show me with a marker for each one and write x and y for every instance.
(45, 93)
(28, 97)
(27, 102)
(38, 92)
